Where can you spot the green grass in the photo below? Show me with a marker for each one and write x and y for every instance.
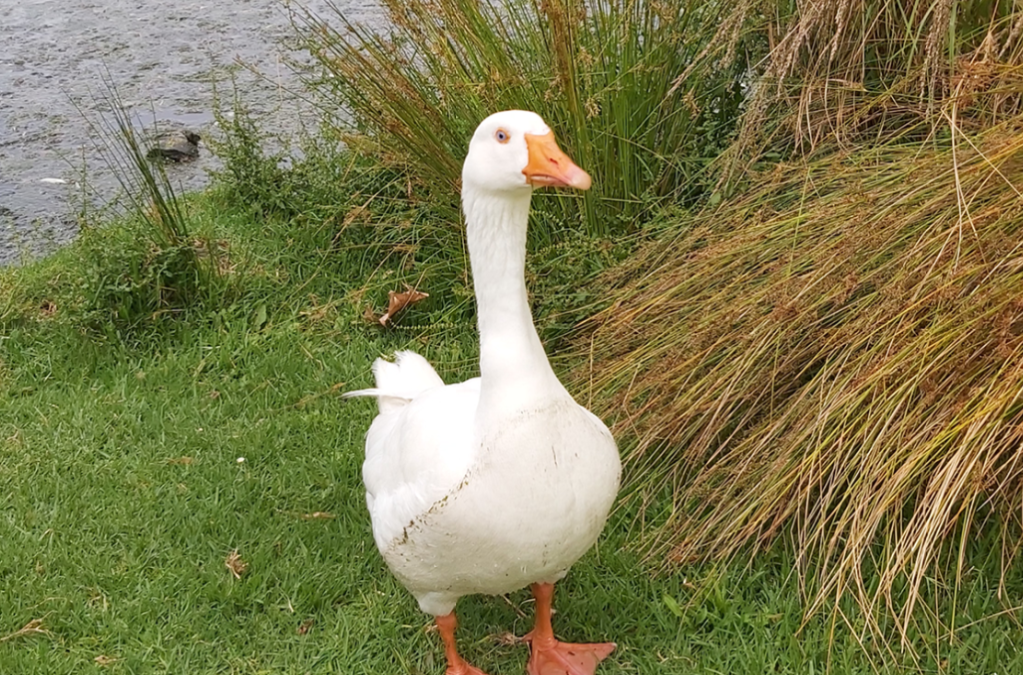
(118, 545)
(122, 495)
(131, 384)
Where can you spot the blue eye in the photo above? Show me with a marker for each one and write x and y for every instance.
(501, 135)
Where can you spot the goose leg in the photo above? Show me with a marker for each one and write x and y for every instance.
(551, 657)
(456, 664)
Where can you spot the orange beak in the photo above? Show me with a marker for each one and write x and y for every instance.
(548, 165)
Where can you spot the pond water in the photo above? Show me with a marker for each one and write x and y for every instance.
(163, 57)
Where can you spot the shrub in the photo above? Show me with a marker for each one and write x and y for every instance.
(251, 177)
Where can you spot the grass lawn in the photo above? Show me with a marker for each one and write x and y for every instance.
(131, 467)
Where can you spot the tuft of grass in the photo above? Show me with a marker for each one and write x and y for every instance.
(835, 354)
(642, 94)
(166, 267)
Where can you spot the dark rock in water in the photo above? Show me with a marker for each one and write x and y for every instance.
(176, 146)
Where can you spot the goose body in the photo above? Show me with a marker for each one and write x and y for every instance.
(502, 481)
(463, 503)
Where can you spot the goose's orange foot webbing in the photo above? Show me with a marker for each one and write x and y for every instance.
(551, 657)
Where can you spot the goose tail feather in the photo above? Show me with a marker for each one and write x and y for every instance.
(400, 381)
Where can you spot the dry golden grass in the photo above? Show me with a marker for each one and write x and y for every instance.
(834, 352)
(839, 354)
(855, 72)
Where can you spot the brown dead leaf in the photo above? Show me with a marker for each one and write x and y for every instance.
(33, 627)
(105, 660)
(305, 626)
(48, 308)
(354, 214)
(181, 461)
(235, 563)
(318, 312)
(154, 214)
(399, 301)
(97, 599)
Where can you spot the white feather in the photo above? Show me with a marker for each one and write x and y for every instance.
(400, 381)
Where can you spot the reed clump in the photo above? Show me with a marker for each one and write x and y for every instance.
(849, 73)
(640, 93)
(836, 354)
(166, 266)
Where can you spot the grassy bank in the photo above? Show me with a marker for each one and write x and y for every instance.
(124, 493)
(798, 306)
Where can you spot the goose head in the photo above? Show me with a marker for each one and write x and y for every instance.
(513, 152)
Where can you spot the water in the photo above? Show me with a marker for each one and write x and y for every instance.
(162, 56)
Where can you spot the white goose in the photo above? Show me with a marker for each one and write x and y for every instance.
(501, 481)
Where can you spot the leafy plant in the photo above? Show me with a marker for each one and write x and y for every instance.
(254, 178)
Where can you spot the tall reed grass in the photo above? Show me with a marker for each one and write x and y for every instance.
(837, 354)
(855, 72)
(832, 353)
(638, 92)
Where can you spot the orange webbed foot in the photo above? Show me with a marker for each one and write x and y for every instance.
(456, 664)
(565, 658)
(551, 657)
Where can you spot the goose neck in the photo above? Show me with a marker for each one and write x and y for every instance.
(512, 359)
